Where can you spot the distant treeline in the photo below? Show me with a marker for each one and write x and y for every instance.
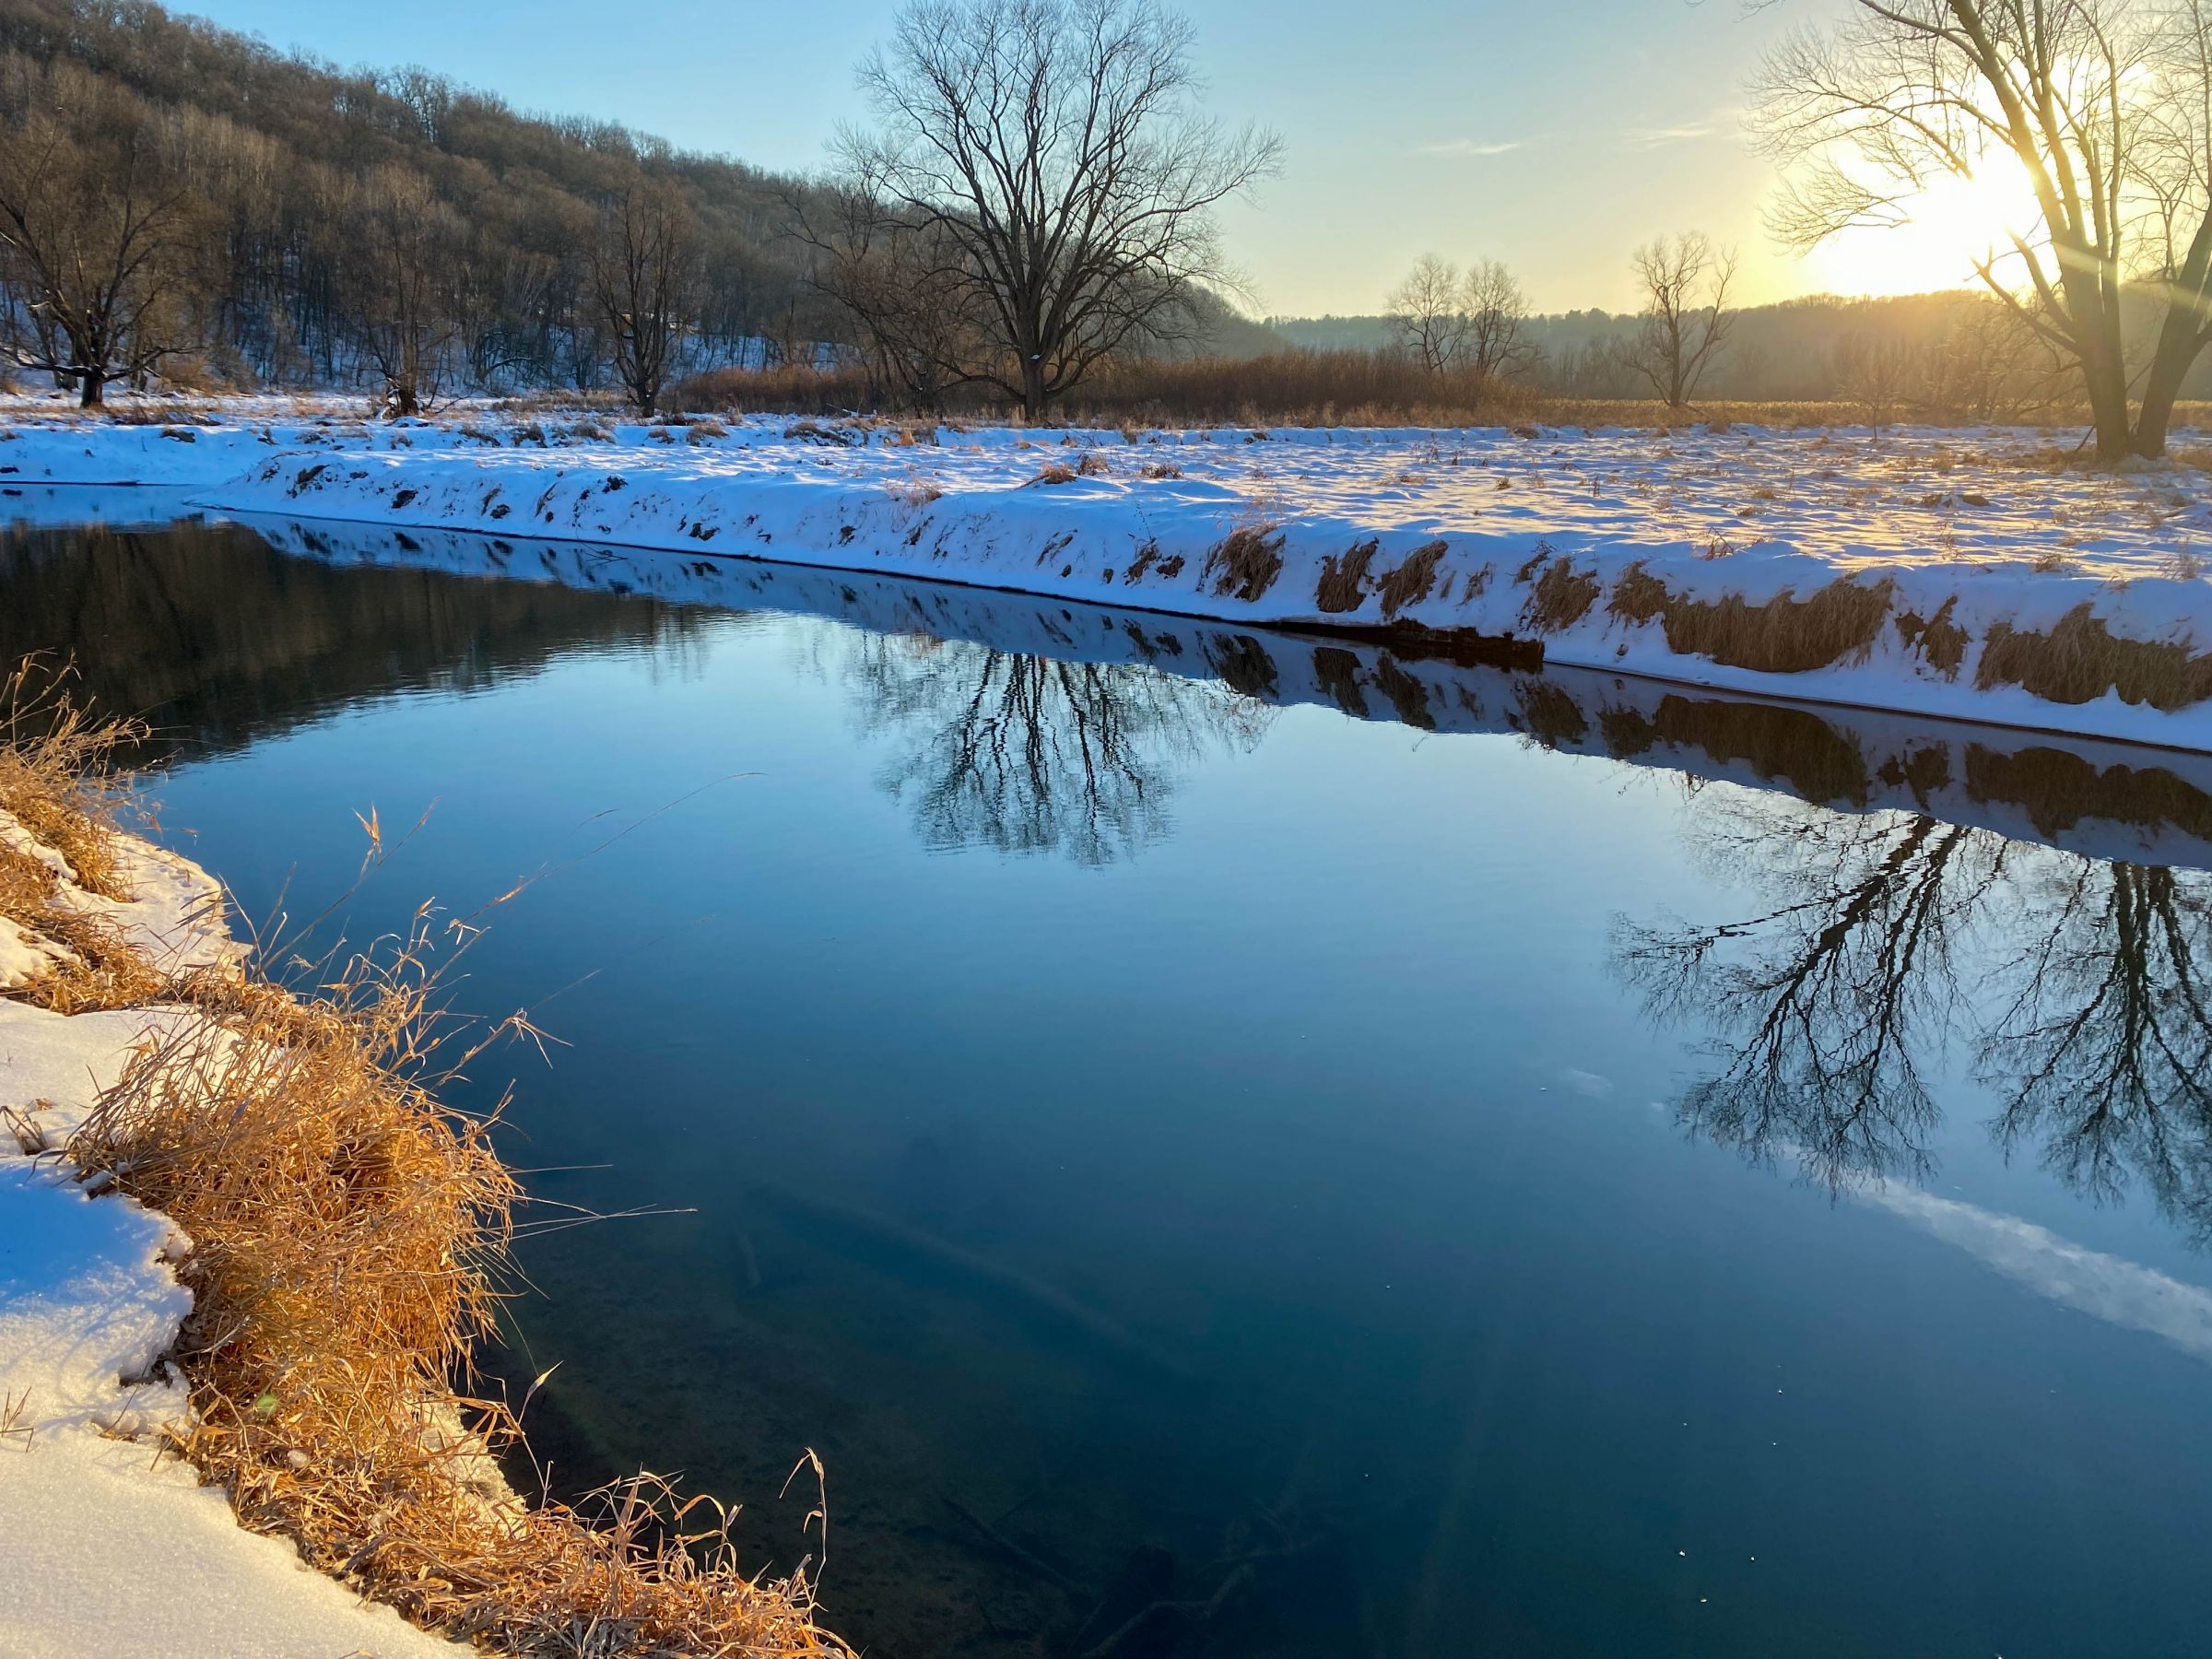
(1813, 349)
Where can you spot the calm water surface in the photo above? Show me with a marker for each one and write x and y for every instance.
(1395, 1159)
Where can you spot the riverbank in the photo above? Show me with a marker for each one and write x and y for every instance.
(2100, 799)
(245, 1250)
(1972, 573)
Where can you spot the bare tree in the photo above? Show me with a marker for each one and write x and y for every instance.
(1874, 373)
(1989, 365)
(899, 284)
(1428, 312)
(644, 282)
(1052, 148)
(1825, 999)
(2107, 104)
(1685, 314)
(97, 235)
(400, 305)
(1498, 346)
(2091, 1016)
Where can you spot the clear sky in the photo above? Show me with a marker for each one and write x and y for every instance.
(1555, 135)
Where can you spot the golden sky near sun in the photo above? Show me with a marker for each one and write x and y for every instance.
(1950, 225)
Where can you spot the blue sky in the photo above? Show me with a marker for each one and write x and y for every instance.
(1555, 135)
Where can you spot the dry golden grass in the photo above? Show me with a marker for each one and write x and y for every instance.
(1413, 580)
(1941, 642)
(350, 1235)
(58, 780)
(57, 772)
(99, 968)
(1245, 562)
(1343, 583)
(1290, 388)
(1562, 596)
(1784, 635)
(2079, 659)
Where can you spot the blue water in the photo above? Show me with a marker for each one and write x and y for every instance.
(1161, 1142)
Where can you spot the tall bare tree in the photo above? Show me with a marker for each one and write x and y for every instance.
(1686, 315)
(1498, 344)
(2079, 985)
(98, 233)
(644, 282)
(2107, 104)
(1054, 150)
(1428, 312)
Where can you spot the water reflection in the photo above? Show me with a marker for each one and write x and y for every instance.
(2078, 981)
(2104, 1050)
(220, 638)
(1027, 723)
(1026, 754)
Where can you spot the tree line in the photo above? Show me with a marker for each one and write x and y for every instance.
(1957, 356)
(180, 201)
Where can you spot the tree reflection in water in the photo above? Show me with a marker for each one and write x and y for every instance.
(1027, 753)
(2103, 1049)
(2078, 983)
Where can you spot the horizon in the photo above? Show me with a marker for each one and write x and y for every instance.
(1647, 141)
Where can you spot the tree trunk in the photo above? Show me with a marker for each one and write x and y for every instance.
(88, 391)
(2107, 386)
(1032, 387)
(2179, 344)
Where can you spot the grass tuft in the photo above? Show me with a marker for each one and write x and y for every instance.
(1343, 583)
(2080, 659)
(1938, 639)
(1412, 582)
(57, 772)
(1562, 596)
(1784, 635)
(1246, 562)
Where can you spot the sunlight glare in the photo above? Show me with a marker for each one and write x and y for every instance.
(1952, 223)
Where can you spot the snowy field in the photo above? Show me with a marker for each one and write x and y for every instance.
(1967, 573)
(112, 1545)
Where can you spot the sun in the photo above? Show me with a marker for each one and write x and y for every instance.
(1949, 225)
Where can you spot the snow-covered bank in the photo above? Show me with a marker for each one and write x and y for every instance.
(1960, 572)
(112, 1545)
(2105, 800)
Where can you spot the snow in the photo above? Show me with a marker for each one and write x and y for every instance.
(110, 1547)
(1986, 522)
(173, 917)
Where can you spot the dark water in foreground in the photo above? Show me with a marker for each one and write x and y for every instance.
(1395, 1159)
